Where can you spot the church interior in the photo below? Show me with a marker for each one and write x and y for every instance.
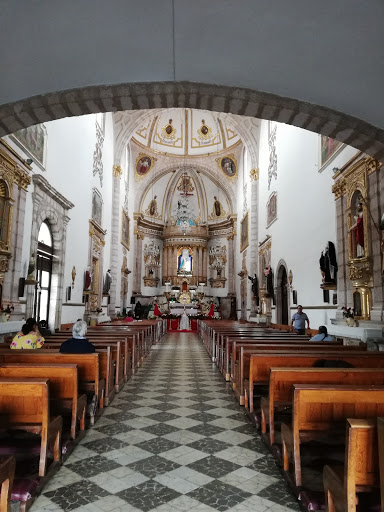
(189, 218)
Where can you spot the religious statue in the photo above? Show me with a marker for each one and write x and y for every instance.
(358, 231)
(88, 278)
(217, 207)
(255, 287)
(107, 282)
(328, 264)
(268, 272)
(153, 207)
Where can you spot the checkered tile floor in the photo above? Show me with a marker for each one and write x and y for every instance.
(173, 440)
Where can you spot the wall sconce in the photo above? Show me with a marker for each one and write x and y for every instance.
(29, 161)
(335, 170)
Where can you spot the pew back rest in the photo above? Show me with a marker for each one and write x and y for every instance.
(88, 364)
(361, 455)
(324, 407)
(63, 379)
(281, 380)
(24, 401)
(260, 364)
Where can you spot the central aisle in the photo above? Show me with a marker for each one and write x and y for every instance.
(173, 440)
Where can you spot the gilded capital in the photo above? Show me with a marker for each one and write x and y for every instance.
(254, 174)
(339, 188)
(117, 171)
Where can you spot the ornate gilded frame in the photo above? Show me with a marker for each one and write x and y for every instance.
(244, 232)
(219, 163)
(139, 157)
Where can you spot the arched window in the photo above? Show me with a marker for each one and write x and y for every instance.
(44, 273)
(5, 207)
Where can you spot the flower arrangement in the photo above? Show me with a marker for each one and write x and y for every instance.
(98, 311)
(8, 309)
(348, 312)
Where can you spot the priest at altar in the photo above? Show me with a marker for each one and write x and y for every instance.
(184, 322)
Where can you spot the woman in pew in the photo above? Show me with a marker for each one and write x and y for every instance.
(29, 337)
(78, 344)
(323, 335)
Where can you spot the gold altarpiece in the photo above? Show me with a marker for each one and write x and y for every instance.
(356, 213)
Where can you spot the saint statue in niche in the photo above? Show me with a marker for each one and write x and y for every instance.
(217, 206)
(358, 231)
(152, 208)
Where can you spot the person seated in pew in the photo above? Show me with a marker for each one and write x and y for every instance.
(29, 337)
(332, 363)
(78, 344)
(129, 317)
(323, 335)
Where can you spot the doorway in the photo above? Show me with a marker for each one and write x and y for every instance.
(44, 262)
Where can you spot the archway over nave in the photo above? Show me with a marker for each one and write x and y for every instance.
(234, 100)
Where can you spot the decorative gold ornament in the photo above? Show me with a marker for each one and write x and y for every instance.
(204, 132)
(339, 188)
(168, 131)
(117, 171)
(254, 174)
(185, 298)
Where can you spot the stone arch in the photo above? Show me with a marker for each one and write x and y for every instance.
(151, 95)
(282, 293)
(49, 205)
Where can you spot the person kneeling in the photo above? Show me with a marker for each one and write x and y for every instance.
(78, 344)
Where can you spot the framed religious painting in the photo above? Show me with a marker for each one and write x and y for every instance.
(228, 165)
(144, 164)
(125, 230)
(244, 240)
(33, 140)
(329, 148)
(97, 207)
(272, 209)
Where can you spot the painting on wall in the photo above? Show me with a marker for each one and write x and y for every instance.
(272, 209)
(97, 207)
(328, 149)
(244, 240)
(33, 140)
(125, 230)
(144, 164)
(228, 165)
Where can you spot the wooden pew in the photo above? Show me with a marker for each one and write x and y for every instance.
(321, 410)
(89, 367)
(360, 472)
(281, 382)
(7, 474)
(24, 405)
(63, 387)
(117, 348)
(380, 435)
(241, 349)
(257, 366)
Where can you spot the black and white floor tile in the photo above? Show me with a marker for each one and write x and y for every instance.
(173, 440)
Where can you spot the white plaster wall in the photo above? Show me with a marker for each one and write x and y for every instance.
(305, 212)
(69, 165)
